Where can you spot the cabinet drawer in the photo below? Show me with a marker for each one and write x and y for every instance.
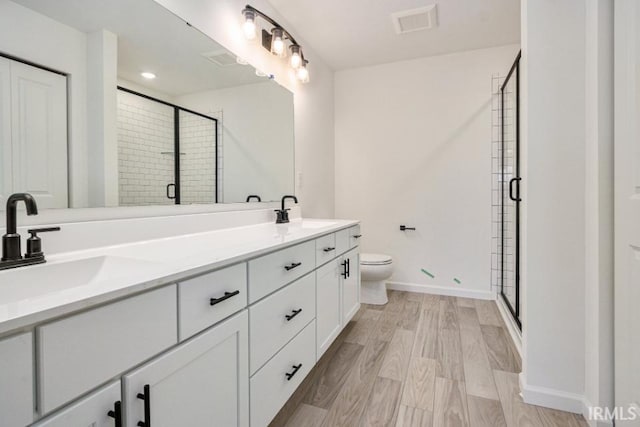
(270, 272)
(354, 236)
(91, 411)
(277, 318)
(80, 352)
(16, 380)
(343, 241)
(325, 249)
(209, 298)
(271, 387)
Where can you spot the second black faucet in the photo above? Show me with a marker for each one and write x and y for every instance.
(282, 215)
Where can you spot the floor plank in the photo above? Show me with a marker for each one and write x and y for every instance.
(397, 359)
(449, 355)
(450, 406)
(386, 326)
(307, 416)
(485, 412)
(348, 407)
(488, 312)
(327, 386)
(516, 412)
(502, 355)
(414, 417)
(383, 405)
(363, 327)
(555, 418)
(427, 339)
(410, 315)
(465, 302)
(419, 389)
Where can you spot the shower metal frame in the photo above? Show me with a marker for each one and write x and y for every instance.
(176, 139)
(515, 311)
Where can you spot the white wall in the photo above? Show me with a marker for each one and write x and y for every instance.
(30, 36)
(599, 204)
(553, 223)
(413, 147)
(257, 138)
(314, 102)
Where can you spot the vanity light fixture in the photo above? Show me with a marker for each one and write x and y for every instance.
(276, 41)
(147, 75)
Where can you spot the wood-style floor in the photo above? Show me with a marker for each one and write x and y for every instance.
(421, 360)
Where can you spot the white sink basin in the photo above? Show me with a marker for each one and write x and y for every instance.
(35, 281)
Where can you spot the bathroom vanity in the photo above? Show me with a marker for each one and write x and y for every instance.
(211, 328)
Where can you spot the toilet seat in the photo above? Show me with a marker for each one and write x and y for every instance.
(375, 259)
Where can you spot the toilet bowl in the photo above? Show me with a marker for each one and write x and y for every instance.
(375, 269)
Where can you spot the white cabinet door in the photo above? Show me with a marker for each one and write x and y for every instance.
(99, 409)
(627, 212)
(6, 169)
(328, 310)
(203, 382)
(16, 381)
(39, 134)
(351, 286)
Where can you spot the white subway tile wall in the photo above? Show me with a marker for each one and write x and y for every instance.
(146, 154)
(500, 194)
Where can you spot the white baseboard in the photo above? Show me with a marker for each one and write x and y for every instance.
(512, 327)
(440, 290)
(550, 398)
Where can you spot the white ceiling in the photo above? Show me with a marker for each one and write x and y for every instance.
(356, 33)
(150, 38)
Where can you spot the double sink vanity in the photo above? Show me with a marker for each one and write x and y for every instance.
(210, 328)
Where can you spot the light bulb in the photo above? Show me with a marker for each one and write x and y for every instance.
(303, 73)
(249, 26)
(147, 75)
(296, 58)
(277, 42)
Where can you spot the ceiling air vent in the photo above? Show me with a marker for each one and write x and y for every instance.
(221, 58)
(408, 21)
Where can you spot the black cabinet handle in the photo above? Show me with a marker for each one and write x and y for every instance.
(357, 236)
(116, 414)
(405, 228)
(348, 267)
(517, 198)
(290, 375)
(293, 314)
(329, 249)
(292, 266)
(345, 272)
(227, 295)
(174, 191)
(146, 397)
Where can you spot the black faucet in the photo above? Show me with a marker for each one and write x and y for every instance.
(253, 196)
(283, 214)
(11, 246)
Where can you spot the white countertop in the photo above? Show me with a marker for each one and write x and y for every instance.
(78, 280)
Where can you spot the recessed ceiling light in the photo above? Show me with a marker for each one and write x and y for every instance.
(148, 75)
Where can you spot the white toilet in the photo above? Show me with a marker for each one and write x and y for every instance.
(375, 269)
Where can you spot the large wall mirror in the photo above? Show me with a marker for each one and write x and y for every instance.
(121, 103)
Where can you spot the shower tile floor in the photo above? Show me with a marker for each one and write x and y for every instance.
(421, 360)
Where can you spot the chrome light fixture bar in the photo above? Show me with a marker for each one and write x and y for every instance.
(276, 41)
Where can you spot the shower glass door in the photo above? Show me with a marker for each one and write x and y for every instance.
(510, 192)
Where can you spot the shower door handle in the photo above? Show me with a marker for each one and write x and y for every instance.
(517, 198)
(169, 196)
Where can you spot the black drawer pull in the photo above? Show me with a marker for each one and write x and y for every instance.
(348, 267)
(292, 266)
(146, 397)
(345, 272)
(357, 236)
(116, 414)
(329, 249)
(290, 375)
(293, 314)
(227, 295)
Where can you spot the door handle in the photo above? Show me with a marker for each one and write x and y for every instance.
(146, 397)
(116, 413)
(227, 295)
(516, 180)
(348, 267)
(345, 271)
(169, 193)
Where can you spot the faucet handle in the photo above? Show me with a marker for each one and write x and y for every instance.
(34, 244)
